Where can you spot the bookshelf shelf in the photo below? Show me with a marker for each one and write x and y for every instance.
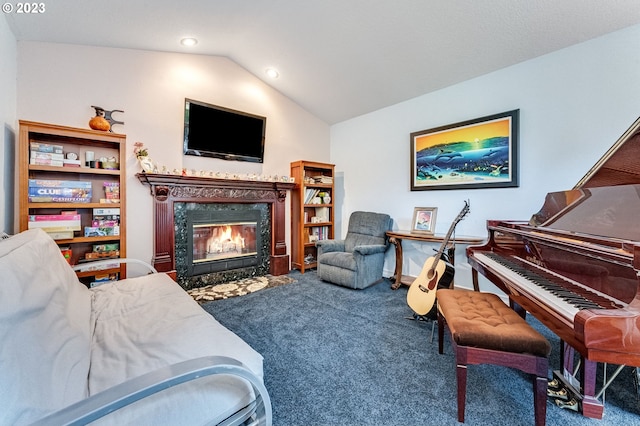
(105, 239)
(310, 198)
(73, 205)
(73, 170)
(317, 205)
(102, 182)
(309, 225)
(91, 274)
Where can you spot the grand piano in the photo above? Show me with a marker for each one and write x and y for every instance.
(575, 266)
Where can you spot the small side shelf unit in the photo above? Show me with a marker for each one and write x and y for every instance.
(312, 216)
(50, 186)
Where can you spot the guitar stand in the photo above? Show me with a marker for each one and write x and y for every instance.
(416, 317)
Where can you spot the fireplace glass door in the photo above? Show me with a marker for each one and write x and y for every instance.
(217, 241)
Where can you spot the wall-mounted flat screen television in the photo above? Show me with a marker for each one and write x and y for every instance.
(214, 131)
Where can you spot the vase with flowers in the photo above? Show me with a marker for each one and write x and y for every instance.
(142, 154)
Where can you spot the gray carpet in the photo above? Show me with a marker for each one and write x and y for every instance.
(335, 356)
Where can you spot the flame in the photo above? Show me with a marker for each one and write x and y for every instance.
(225, 241)
(226, 233)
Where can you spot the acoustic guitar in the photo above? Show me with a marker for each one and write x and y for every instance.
(436, 273)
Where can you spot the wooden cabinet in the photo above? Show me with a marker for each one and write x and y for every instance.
(51, 186)
(312, 216)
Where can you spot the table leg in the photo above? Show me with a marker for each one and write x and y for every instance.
(397, 242)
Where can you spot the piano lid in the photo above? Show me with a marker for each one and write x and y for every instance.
(620, 165)
(608, 211)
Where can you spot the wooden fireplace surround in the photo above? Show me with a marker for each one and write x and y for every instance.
(169, 189)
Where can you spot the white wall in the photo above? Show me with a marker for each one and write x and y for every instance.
(8, 53)
(574, 104)
(58, 83)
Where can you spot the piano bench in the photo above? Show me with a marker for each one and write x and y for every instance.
(484, 330)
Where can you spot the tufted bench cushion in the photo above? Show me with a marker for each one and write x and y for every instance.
(486, 331)
(483, 320)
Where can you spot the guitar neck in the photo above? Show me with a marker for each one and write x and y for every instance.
(445, 241)
(461, 215)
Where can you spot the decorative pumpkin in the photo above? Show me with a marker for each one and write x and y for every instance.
(99, 122)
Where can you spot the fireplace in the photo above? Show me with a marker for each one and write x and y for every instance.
(205, 254)
(221, 240)
(180, 202)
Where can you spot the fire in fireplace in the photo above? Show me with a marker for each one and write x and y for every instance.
(221, 241)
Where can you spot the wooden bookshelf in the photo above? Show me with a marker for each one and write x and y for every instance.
(78, 141)
(312, 215)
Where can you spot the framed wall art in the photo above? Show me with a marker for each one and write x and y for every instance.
(479, 153)
(424, 220)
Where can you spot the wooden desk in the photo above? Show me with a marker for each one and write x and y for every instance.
(396, 237)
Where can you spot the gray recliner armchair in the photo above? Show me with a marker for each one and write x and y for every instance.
(358, 260)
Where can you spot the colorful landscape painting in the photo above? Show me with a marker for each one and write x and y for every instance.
(473, 154)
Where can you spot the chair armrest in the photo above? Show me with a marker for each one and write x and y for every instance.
(326, 246)
(130, 391)
(370, 249)
(81, 266)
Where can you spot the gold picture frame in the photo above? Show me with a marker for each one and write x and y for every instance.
(424, 220)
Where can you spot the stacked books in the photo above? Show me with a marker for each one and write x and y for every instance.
(104, 251)
(106, 248)
(58, 226)
(111, 193)
(68, 162)
(106, 217)
(46, 154)
(323, 179)
(105, 222)
(101, 252)
(59, 191)
(103, 279)
(90, 266)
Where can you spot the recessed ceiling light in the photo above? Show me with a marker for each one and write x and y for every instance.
(188, 41)
(272, 73)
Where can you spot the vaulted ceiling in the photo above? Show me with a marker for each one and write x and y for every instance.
(338, 58)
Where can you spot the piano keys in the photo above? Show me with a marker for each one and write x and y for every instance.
(561, 295)
(575, 266)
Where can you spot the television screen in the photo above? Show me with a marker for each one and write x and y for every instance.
(214, 131)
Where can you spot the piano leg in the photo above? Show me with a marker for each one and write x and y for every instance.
(517, 308)
(474, 278)
(591, 407)
(584, 389)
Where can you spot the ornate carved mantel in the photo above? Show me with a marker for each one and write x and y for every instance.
(168, 189)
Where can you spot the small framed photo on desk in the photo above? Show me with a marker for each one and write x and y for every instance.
(424, 220)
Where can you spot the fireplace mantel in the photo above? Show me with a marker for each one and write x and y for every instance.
(169, 189)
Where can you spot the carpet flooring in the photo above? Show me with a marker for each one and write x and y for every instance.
(336, 356)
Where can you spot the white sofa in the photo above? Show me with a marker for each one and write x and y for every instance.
(95, 350)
